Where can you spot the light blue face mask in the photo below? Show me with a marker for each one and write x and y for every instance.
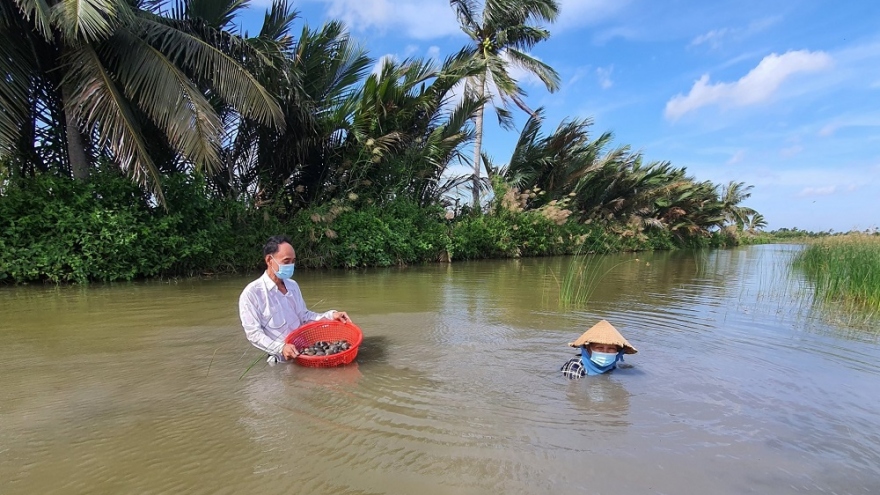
(592, 368)
(284, 271)
(603, 358)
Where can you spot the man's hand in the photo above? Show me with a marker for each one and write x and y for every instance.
(341, 316)
(289, 351)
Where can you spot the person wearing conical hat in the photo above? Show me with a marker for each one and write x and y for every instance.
(601, 348)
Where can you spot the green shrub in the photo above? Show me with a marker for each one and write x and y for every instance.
(397, 233)
(60, 230)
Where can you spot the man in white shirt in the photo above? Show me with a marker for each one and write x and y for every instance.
(272, 306)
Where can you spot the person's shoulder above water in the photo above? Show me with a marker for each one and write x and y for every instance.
(261, 282)
(573, 368)
(601, 348)
(257, 287)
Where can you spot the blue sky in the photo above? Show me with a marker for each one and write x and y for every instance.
(782, 95)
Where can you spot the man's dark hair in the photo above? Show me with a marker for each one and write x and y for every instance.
(271, 246)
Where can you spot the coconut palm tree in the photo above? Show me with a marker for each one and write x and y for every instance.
(314, 82)
(502, 33)
(554, 163)
(404, 130)
(105, 72)
(756, 223)
(732, 195)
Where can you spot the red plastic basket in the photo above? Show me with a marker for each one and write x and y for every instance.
(325, 330)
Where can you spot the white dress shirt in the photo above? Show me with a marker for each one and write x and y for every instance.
(268, 316)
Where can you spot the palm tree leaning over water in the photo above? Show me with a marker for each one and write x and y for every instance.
(501, 34)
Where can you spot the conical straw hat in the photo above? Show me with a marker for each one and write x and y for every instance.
(604, 333)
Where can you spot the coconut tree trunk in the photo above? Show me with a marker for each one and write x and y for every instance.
(76, 151)
(478, 142)
(76, 144)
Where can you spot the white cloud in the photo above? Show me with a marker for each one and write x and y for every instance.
(409, 50)
(579, 74)
(433, 52)
(758, 86)
(713, 37)
(416, 19)
(604, 74)
(388, 57)
(573, 13)
(828, 130)
(852, 120)
(763, 24)
(791, 151)
(737, 157)
(817, 191)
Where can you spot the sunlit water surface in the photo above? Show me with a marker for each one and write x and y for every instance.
(739, 386)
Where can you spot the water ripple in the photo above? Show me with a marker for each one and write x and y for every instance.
(739, 387)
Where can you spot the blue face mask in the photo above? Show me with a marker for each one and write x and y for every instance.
(603, 358)
(284, 271)
(590, 366)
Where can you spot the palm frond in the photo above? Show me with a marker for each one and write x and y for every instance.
(330, 64)
(278, 20)
(36, 11)
(167, 96)
(466, 11)
(16, 72)
(232, 82)
(106, 113)
(218, 14)
(522, 37)
(545, 73)
(88, 20)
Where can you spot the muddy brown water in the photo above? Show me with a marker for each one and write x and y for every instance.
(740, 386)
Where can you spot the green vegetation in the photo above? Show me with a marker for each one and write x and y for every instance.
(750, 235)
(844, 269)
(583, 276)
(59, 230)
(138, 141)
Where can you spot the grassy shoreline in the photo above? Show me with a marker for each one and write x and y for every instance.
(844, 269)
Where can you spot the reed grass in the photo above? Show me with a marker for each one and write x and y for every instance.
(844, 269)
(583, 276)
(261, 356)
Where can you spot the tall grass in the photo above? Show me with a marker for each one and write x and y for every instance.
(844, 269)
(583, 275)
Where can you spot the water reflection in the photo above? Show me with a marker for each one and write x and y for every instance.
(601, 400)
(373, 349)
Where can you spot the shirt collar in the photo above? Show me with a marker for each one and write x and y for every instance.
(269, 283)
